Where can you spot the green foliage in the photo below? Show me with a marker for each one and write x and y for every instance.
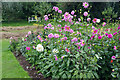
(11, 11)
(109, 13)
(42, 8)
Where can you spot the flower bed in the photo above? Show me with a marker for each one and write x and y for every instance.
(70, 48)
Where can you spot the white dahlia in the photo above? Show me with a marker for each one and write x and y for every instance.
(55, 51)
(39, 48)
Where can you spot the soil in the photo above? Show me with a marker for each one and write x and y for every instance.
(7, 32)
(31, 71)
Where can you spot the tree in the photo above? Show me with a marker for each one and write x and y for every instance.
(42, 8)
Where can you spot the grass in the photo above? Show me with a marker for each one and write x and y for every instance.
(0, 59)
(17, 23)
(10, 66)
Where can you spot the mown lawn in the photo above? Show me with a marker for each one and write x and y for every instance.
(10, 66)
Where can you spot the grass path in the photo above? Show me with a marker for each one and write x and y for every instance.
(10, 66)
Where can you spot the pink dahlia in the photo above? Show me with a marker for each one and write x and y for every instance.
(55, 57)
(65, 38)
(49, 25)
(55, 8)
(85, 13)
(79, 19)
(66, 16)
(67, 50)
(94, 20)
(62, 57)
(99, 37)
(106, 34)
(85, 4)
(88, 47)
(82, 42)
(60, 11)
(113, 57)
(71, 31)
(119, 27)
(29, 32)
(95, 31)
(28, 48)
(104, 23)
(59, 25)
(93, 27)
(45, 27)
(33, 47)
(50, 35)
(67, 28)
(115, 48)
(88, 19)
(72, 12)
(74, 39)
(115, 33)
(110, 36)
(56, 36)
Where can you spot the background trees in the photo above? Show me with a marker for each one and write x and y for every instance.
(22, 10)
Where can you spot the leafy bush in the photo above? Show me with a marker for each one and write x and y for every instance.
(109, 14)
(67, 48)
